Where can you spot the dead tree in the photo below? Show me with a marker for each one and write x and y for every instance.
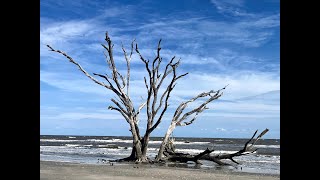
(156, 103)
(119, 85)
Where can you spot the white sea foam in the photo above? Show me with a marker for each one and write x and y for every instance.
(72, 145)
(78, 145)
(263, 161)
(115, 141)
(102, 145)
(109, 140)
(88, 140)
(267, 146)
(195, 151)
(223, 152)
(179, 142)
(58, 140)
(191, 151)
(155, 142)
(93, 151)
(183, 142)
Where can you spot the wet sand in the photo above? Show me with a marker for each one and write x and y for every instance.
(71, 171)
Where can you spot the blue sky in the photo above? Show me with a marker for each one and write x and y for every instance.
(233, 42)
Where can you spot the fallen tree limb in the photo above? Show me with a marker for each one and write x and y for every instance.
(182, 157)
(171, 155)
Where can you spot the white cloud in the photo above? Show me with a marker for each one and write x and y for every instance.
(250, 32)
(240, 84)
(78, 116)
(117, 11)
(64, 31)
(65, 35)
(263, 22)
(65, 114)
(72, 82)
(221, 129)
(231, 7)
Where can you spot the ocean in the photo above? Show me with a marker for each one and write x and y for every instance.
(88, 149)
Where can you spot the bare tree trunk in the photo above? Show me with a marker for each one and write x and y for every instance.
(118, 84)
(145, 145)
(136, 141)
(153, 83)
(165, 141)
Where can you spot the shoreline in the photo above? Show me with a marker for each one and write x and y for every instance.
(122, 171)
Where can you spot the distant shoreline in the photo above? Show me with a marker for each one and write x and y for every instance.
(122, 171)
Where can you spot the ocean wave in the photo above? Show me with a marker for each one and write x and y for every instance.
(179, 142)
(87, 140)
(186, 142)
(155, 142)
(110, 140)
(72, 145)
(263, 161)
(195, 151)
(78, 145)
(267, 146)
(58, 140)
(82, 151)
(117, 141)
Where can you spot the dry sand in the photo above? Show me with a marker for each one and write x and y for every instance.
(71, 171)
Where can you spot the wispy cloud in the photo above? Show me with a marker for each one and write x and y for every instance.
(252, 32)
(231, 7)
(240, 85)
(80, 115)
(221, 129)
(63, 31)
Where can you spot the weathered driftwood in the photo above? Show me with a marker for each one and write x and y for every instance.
(171, 155)
(119, 84)
(185, 157)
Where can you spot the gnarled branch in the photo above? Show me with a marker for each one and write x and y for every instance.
(79, 66)
(247, 149)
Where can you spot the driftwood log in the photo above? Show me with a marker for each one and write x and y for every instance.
(170, 154)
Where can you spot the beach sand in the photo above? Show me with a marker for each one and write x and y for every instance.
(71, 171)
